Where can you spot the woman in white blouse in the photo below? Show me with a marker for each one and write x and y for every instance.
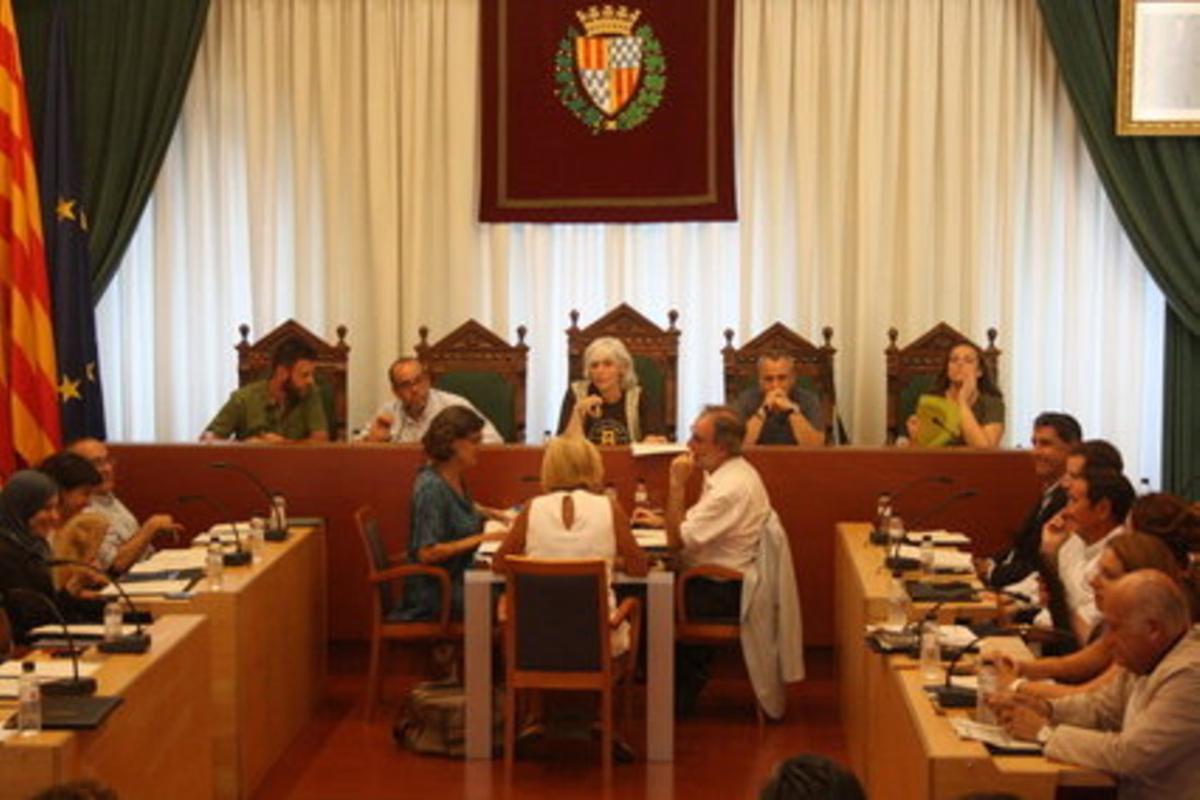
(574, 519)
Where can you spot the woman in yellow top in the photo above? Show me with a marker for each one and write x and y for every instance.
(971, 408)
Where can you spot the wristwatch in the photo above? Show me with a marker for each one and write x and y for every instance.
(1043, 735)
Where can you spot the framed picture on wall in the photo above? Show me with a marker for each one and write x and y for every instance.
(1158, 68)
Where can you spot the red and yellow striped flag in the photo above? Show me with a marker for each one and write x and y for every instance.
(29, 423)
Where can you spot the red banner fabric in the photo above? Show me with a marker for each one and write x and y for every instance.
(607, 113)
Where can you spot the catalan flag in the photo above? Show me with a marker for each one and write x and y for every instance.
(29, 421)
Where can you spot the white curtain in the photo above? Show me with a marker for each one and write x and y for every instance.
(899, 162)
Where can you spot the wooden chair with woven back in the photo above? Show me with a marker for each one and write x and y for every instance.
(913, 370)
(475, 363)
(557, 636)
(254, 363)
(655, 354)
(386, 574)
(814, 366)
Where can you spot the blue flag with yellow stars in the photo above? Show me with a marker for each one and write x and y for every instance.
(65, 227)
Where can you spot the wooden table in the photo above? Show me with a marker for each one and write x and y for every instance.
(268, 655)
(862, 587)
(812, 490)
(154, 745)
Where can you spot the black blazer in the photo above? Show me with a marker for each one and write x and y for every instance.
(1023, 557)
(22, 570)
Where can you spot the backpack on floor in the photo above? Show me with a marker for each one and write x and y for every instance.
(433, 720)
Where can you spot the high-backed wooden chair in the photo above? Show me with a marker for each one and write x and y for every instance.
(474, 362)
(254, 363)
(385, 576)
(814, 365)
(558, 637)
(912, 370)
(655, 354)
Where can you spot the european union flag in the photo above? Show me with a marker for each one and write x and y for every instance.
(65, 229)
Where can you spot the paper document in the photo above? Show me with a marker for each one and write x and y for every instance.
(943, 560)
(492, 526)
(640, 449)
(652, 538)
(967, 728)
(940, 538)
(164, 560)
(148, 588)
(83, 631)
(956, 636)
(488, 548)
(224, 532)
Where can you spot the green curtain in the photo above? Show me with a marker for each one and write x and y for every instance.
(131, 61)
(1154, 185)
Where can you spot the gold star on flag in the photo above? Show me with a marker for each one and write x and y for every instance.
(90, 371)
(69, 389)
(65, 209)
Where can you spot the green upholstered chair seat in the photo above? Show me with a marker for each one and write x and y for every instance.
(490, 393)
(653, 382)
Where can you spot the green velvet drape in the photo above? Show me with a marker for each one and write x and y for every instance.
(1154, 185)
(131, 64)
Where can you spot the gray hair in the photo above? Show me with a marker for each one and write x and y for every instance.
(610, 348)
(728, 428)
(776, 355)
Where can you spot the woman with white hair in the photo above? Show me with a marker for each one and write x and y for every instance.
(609, 407)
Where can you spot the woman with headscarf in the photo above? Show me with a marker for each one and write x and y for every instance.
(28, 516)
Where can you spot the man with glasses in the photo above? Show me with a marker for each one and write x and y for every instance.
(126, 541)
(405, 419)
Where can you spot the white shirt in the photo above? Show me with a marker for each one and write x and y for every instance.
(724, 526)
(1076, 567)
(407, 430)
(122, 525)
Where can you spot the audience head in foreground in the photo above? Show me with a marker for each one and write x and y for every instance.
(811, 777)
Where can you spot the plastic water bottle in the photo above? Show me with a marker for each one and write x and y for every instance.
(279, 518)
(641, 495)
(113, 619)
(897, 602)
(931, 654)
(895, 530)
(927, 554)
(258, 538)
(987, 687)
(29, 702)
(214, 564)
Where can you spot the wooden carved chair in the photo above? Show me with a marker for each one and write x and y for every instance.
(912, 370)
(385, 577)
(655, 354)
(814, 365)
(475, 363)
(254, 363)
(558, 637)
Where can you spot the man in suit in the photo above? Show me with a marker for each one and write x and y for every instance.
(1054, 434)
(1143, 726)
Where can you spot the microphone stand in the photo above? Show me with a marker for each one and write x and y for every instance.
(950, 696)
(894, 560)
(136, 642)
(274, 533)
(238, 558)
(880, 537)
(74, 686)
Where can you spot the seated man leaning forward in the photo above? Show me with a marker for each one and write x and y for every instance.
(1143, 727)
(127, 541)
(405, 419)
(284, 407)
(722, 529)
(778, 411)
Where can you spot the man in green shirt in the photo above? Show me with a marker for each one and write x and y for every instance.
(285, 407)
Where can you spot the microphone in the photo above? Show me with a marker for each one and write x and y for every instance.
(890, 496)
(75, 685)
(276, 527)
(894, 560)
(950, 696)
(238, 558)
(136, 642)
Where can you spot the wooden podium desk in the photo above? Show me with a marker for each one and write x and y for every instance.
(811, 489)
(154, 745)
(862, 584)
(920, 757)
(268, 655)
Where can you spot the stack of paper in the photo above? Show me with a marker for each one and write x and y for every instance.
(944, 560)
(651, 538)
(83, 631)
(166, 560)
(148, 588)
(967, 728)
(941, 538)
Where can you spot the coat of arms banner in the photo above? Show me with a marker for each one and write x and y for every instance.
(607, 112)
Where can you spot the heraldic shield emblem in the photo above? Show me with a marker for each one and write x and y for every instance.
(619, 65)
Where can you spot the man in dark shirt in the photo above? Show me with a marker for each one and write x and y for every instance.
(1054, 434)
(778, 411)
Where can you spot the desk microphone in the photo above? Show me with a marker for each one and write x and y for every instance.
(75, 685)
(950, 696)
(238, 558)
(894, 560)
(889, 496)
(276, 528)
(136, 642)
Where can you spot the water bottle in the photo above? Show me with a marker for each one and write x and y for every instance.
(258, 538)
(927, 554)
(986, 688)
(895, 530)
(883, 512)
(29, 702)
(279, 519)
(641, 496)
(931, 654)
(113, 619)
(214, 564)
(897, 602)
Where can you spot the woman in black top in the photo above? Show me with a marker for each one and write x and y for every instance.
(609, 407)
